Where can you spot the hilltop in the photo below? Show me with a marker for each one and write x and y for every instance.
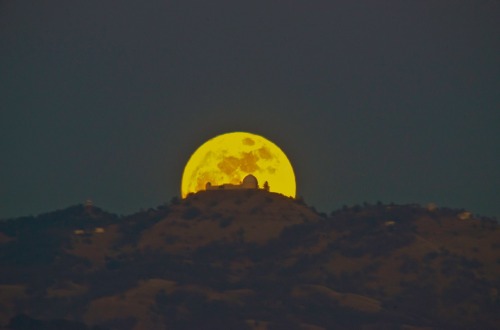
(251, 259)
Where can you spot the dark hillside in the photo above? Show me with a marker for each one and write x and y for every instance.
(252, 260)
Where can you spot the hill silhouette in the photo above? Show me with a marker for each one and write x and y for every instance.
(250, 259)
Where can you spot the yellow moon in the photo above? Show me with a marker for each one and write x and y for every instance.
(228, 158)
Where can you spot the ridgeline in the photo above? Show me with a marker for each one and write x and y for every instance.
(250, 259)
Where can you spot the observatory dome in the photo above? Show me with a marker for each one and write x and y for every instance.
(250, 181)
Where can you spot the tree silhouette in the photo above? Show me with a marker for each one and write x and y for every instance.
(266, 186)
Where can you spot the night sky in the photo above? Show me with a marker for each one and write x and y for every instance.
(392, 101)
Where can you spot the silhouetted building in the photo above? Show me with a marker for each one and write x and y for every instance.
(249, 182)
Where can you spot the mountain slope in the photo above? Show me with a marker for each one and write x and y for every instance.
(256, 260)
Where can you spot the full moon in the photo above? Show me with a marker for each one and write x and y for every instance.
(230, 157)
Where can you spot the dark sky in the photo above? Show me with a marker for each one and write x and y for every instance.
(397, 101)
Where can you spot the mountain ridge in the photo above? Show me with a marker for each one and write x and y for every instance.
(256, 260)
